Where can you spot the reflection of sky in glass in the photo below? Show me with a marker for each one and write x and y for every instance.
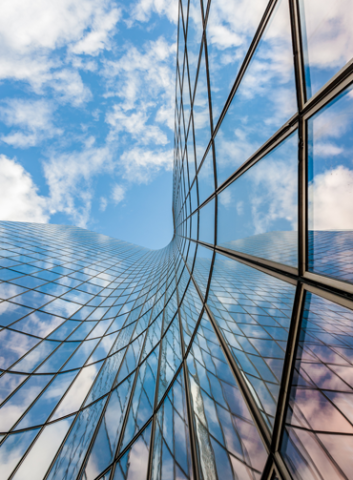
(253, 312)
(193, 39)
(206, 177)
(318, 438)
(112, 368)
(265, 99)
(207, 223)
(262, 200)
(230, 28)
(331, 188)
(228, 443)
(201, 112)
(327, 39)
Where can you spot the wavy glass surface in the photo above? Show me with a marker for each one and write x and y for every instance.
(228, 353)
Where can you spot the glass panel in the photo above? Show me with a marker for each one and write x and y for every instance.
(72, 454)
(330, 189)
(206, 180)
(253, 312)
(133, 465)
(193, 40)
(230, 29)
(202, 267)
(327, 39)
(143, 398)
(37, 462)
(201, 112)
(170, 357)
(318, 438)
(171, 458)
(228, 443)
(207, 222)
(12, 450)
(265, 99)
(257, 213)
(106, 442)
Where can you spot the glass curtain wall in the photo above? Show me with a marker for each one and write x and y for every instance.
(229, 353)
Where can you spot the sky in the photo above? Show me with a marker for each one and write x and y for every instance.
(87, 115)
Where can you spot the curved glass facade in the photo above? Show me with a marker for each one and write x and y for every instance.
(229, 353)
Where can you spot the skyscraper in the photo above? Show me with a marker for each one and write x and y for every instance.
(227, 354)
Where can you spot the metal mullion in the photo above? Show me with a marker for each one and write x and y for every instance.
(274, 271)
(249, 401)
(117, 456)
(278, 137)
(150, 457)
(334, 297)
(256, 39)
(288, 368)
(298, 53)
(330, 90)
(192, 434)
(248, 398)
(263, 429)
(101, 416)
(338, 286)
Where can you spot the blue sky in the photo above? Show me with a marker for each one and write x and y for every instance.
(87, 113)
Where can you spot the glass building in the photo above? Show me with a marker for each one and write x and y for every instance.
(229, 353)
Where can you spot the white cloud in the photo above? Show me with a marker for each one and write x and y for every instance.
(143, 10)
(327, 149)
(275, 187)
(140, 165)
(45, 447)
(331, 200)
(232, 153)
(225, 198)
(69, 178)
(19, 199)
(103, 204)
(118, 193)
(31, 33)
(98, 38)
(135, 125)
(231, 22)
(329, 32)
(33, 117)
(145, 79)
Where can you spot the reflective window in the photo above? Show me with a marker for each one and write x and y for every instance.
(230, 28)
(318, 434)
(331, 189)
(265, 99)
(327, 40)
(257, 213)
(207, 222)
(253, 312)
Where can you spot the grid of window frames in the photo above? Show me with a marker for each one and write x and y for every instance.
(229, 353)
(263, 198)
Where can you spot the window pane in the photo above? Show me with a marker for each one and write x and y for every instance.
(331, 189)
(265, 99)
(257, 213)
(318, 437)
(230, 29)
(327, 39)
